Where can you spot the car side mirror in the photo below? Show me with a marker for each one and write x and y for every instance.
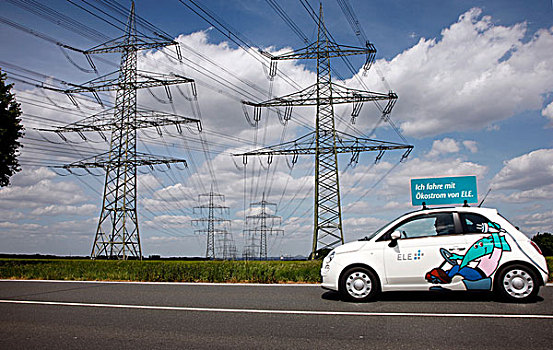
(394, 236)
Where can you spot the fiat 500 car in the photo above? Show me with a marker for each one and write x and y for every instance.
(455, 249)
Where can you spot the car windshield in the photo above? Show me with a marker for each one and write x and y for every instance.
(371, 236)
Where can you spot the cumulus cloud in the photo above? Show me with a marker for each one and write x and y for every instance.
(475, 74)
(85, 209)
(32, 176)
(548, 112)
(527, 196)
(447, 145)
(362, 226)
(472, 146)
(169, 221)
(233, 74)
(40, 193)
(537, 222)
(531, 171)
(450, 146)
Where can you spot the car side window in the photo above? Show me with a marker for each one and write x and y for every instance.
(427, 225)
(470, 222)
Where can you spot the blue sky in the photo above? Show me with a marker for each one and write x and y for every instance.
(475, 86)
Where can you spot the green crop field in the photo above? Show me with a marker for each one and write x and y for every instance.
(169, 271)
(163, 271)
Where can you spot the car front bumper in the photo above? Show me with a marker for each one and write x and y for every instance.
(330, 275)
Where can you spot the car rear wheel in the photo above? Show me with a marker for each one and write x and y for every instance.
(359, 284)
(517, 283)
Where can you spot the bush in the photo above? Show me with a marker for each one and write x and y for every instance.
(545, 242)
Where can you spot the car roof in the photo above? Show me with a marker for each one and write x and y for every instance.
(454, 209)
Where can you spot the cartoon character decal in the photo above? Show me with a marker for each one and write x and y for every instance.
(478, 264)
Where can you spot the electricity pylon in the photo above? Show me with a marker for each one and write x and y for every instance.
(326, 142)
(117, 233)
(212, 224)
(262, 224)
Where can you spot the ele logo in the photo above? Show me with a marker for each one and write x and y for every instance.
(410, 256)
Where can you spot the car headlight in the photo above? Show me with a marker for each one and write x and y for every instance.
(330, 256)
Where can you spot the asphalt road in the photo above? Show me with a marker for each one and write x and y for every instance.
(76, 315)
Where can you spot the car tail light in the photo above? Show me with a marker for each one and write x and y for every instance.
(536, 246)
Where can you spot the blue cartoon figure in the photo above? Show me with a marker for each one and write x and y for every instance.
(477, 265)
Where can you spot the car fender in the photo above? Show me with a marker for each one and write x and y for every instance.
(371, 259)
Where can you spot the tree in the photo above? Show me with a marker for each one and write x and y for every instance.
(10, 131)
(545, 242)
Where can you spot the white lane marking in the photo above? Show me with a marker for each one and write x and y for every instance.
(177, 283)
(282, 312)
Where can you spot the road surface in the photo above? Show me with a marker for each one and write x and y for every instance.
(92, 315)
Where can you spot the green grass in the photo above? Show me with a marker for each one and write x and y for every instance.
(169, 271)
(163, 271)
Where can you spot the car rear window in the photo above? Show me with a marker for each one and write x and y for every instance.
(470, 222)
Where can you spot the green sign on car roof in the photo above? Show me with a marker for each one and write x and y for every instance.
(444, 190)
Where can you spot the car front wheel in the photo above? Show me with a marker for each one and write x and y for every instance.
(517, 283)
(359, 284)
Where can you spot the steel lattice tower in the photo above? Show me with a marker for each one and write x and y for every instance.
(326, 142)
(262, 223)
(117, 230)
(212, 222)
(117, 233)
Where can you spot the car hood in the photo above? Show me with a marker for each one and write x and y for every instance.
(350, 247)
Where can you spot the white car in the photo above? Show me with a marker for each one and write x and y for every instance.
(463, 248)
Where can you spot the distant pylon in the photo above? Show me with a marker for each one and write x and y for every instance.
(209, 205)
(261, 224)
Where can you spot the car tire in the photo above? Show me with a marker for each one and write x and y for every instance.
(517, 283)
(359, 284)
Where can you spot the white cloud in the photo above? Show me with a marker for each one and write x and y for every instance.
(528, 196)
(238, 76)
(31, 176)
(472, 146)
(447, 145)
(536, 222)
(476, 74)
(362, 226)
(85, 209)
(40, 193)
(169, 221)
(530, 171)
(25, 227)
(548, 112)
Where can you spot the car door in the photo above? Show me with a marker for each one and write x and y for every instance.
(419, 250)
(484, 248)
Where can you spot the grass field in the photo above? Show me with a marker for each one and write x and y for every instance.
(163, 271)
(169, 271)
